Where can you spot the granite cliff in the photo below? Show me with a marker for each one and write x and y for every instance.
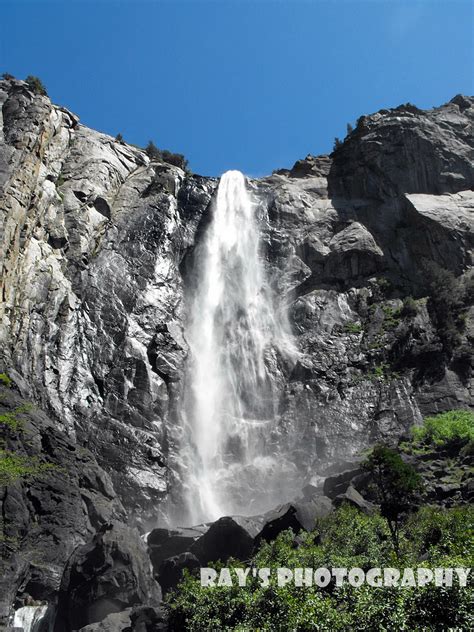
(96, 250)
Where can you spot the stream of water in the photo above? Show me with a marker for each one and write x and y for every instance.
(235, 332)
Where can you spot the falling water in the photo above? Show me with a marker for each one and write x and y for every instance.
(235, 332)
(30, 618)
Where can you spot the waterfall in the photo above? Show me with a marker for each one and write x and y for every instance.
(236, 329)
(29, 618)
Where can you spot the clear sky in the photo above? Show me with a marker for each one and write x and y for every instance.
(239, 84)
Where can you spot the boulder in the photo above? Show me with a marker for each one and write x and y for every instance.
(171, 570)
(166, 543)
(231, 536)
(140, 619)
(353, 253)
(107, 575)
(352, 497)
(296, 516)
(115, 622)
(335, 485)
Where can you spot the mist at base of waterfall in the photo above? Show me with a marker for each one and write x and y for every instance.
(236, 329)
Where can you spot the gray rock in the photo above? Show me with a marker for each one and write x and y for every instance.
(297, 516)
(335, 485)
(107, 575)
(352, 497)
(433, 152)
(231, 536)
(171, 570)
(166, 543)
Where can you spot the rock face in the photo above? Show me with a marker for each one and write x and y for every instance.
(96, 245)
(46, 517)
(406, 150)
(110, 573)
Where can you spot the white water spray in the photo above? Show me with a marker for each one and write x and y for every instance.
(29, 618)
(235, 332)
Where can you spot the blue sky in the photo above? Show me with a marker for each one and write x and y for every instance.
(238, 84)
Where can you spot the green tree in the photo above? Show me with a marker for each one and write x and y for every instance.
(36, 85)
(396, 486)
(447, 304)
(153, 152)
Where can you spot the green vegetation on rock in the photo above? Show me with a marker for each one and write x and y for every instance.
(454, 427)
(15, 466)
(36, 85)
(353, 328)
(163, 155)
(5, 380)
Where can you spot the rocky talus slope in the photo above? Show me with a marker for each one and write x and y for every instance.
(96, 250)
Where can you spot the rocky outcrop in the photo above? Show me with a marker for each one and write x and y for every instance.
(107, 575)
(407, 150)
(45, 516)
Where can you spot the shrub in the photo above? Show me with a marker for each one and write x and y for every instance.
(445, 429)
(119, 138)
(447, 304)
(353, 328)
(12, 420)
(7, 76)
(409, 308)
(178, 160)
(14, 467)
(36, 85)
(153, 152)
(163, 155)
(391, 317)
(5, 380)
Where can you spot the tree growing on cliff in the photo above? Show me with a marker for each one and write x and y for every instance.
(164, 155)
(396, 486)
(449, 299)
(36, 85)
(153, 152)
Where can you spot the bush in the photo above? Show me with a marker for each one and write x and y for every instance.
(344, 539)
(153, 152)
(12, 420)
(447, 304)
(5, 380)
(409, 307)
(7, 76)
(36, 85)
(445, 429)
(163, 155)
(178, 160)
(353, 328)
(14, 467)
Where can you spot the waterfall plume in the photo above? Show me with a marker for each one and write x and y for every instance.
(236, 327)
